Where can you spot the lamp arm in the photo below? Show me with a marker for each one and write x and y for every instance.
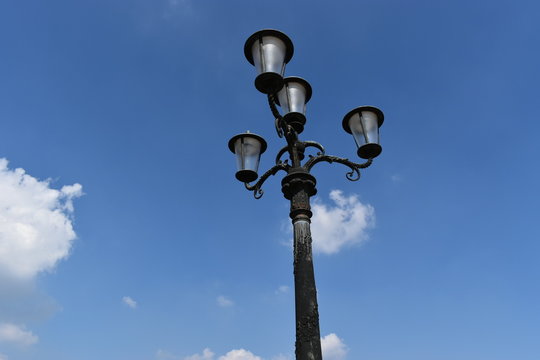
(315, 145)
(352, 175)
(256, 188)
(280, 154)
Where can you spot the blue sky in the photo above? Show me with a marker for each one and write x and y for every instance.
(128, 237)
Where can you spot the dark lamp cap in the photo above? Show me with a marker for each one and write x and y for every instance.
(264, 145)
(268, 32)
(379, 113)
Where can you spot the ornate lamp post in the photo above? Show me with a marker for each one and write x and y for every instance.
(269, 51)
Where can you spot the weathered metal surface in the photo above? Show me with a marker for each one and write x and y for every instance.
(298, 186)
(308, 337)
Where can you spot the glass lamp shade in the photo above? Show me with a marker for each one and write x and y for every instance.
(248, 149)
(363, 123)
(293, 98)
(269, 51)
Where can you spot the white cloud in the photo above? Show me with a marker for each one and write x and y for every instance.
(283, 289)
(345, 224)
(11, 333)
(396, 178)
(333, 348)
(224, 301)
(129, 302)
(36, 228)
(207, 354)
(162, 355)
(239, 354)
(3, 357)
(165, 355)
(281, 357)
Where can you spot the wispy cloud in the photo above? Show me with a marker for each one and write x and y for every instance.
(16, 334)
(283, 289)
(224, 301)
(207, 354)
(282, 357)
(178, 7)
(3, 357)
(342, 224)
(396, 178)
(333, 348)
(164, 355)
(177, 3)
(239, 354)
(129, 302)
(35, 223)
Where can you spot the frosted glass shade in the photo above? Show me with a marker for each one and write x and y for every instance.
(269, 51)
(248, 149)
(364, 123)
(293, 98)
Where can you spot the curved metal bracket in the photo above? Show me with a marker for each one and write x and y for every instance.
(353, 175)
(315, 145)
(256, 188)
(283, 150)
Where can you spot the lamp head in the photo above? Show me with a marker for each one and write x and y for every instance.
(364, 123)
(269, 50)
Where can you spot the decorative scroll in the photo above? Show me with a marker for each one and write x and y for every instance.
(352, 175)
(315, 145)
(256, 188)
(280, 154)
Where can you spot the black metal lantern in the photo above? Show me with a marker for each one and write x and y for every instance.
(364, 123)
(293, 98)
(269, 50)
(248, 148)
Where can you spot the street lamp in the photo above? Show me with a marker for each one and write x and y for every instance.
(269, 51)
(248, 149)
(293, 98)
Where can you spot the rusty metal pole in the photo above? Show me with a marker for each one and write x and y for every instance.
(298, 186)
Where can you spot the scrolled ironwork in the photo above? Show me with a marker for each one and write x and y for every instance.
(353, 175)
(315, 145)
(256, 188)
(281, 152)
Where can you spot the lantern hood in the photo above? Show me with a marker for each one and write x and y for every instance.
(379, 113)
(264, 145)
(268, 32)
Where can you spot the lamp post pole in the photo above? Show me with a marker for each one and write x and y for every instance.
(269, 51)
(299, 188)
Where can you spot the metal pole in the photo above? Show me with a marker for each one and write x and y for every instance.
(298, 187)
